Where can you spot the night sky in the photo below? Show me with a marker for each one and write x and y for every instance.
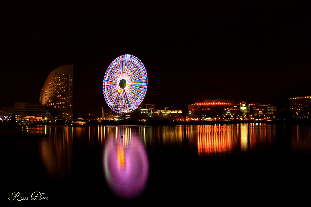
(256, 51)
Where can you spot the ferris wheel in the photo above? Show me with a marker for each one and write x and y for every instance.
(125, 83)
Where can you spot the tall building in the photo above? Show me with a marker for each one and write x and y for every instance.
(300, 107)
(57, 92)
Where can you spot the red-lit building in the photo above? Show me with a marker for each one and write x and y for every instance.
(212, 109)
(228, 109)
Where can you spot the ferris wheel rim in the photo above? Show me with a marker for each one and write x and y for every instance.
(125, 83)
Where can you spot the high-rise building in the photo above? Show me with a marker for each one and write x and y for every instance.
(300, 107)
(57, 92)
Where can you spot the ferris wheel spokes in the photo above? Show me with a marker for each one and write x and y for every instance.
(125, 83)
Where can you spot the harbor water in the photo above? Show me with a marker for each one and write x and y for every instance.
(138, 165)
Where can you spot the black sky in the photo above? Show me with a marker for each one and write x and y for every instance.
(257, 51)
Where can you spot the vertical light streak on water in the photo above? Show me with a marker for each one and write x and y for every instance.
(244, 137)
(301, 139)
(98, 134)
(101, 134)
(89, 134)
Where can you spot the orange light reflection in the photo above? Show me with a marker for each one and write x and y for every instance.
(121, 157)
(214, 139)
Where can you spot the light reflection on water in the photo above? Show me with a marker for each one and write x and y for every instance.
(125, 163)
(219, 139)
(301, 139)
(56, 149)
(56, 152)
(214, 139)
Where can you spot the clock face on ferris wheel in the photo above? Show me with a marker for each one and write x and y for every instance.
(125, 83)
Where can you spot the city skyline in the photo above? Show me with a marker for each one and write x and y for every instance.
(254, 52)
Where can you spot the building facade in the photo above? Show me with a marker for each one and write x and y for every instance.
(220, 109)
(26, 110)
(212, 109)
(300, 107)
(57, 92)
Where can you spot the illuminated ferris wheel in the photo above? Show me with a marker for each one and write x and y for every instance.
(125, 83)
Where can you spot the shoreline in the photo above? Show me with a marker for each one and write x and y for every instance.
(162, 123)
(7, 132)
(165, 122)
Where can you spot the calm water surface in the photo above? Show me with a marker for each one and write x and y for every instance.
(143, 165)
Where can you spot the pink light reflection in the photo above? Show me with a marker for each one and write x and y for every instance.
(126, 166)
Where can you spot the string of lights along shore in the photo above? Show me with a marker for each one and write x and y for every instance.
(125, 84)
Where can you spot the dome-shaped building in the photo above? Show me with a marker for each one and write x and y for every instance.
(57, 92)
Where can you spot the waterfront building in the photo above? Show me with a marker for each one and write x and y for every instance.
(2, 115)
(57, 92)
(300, 107)
(6, 113)
(262, 111)
(219, 109)
(212, 109)
(244, 108)
(36, 111)
(147, 112)
(169, 114)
